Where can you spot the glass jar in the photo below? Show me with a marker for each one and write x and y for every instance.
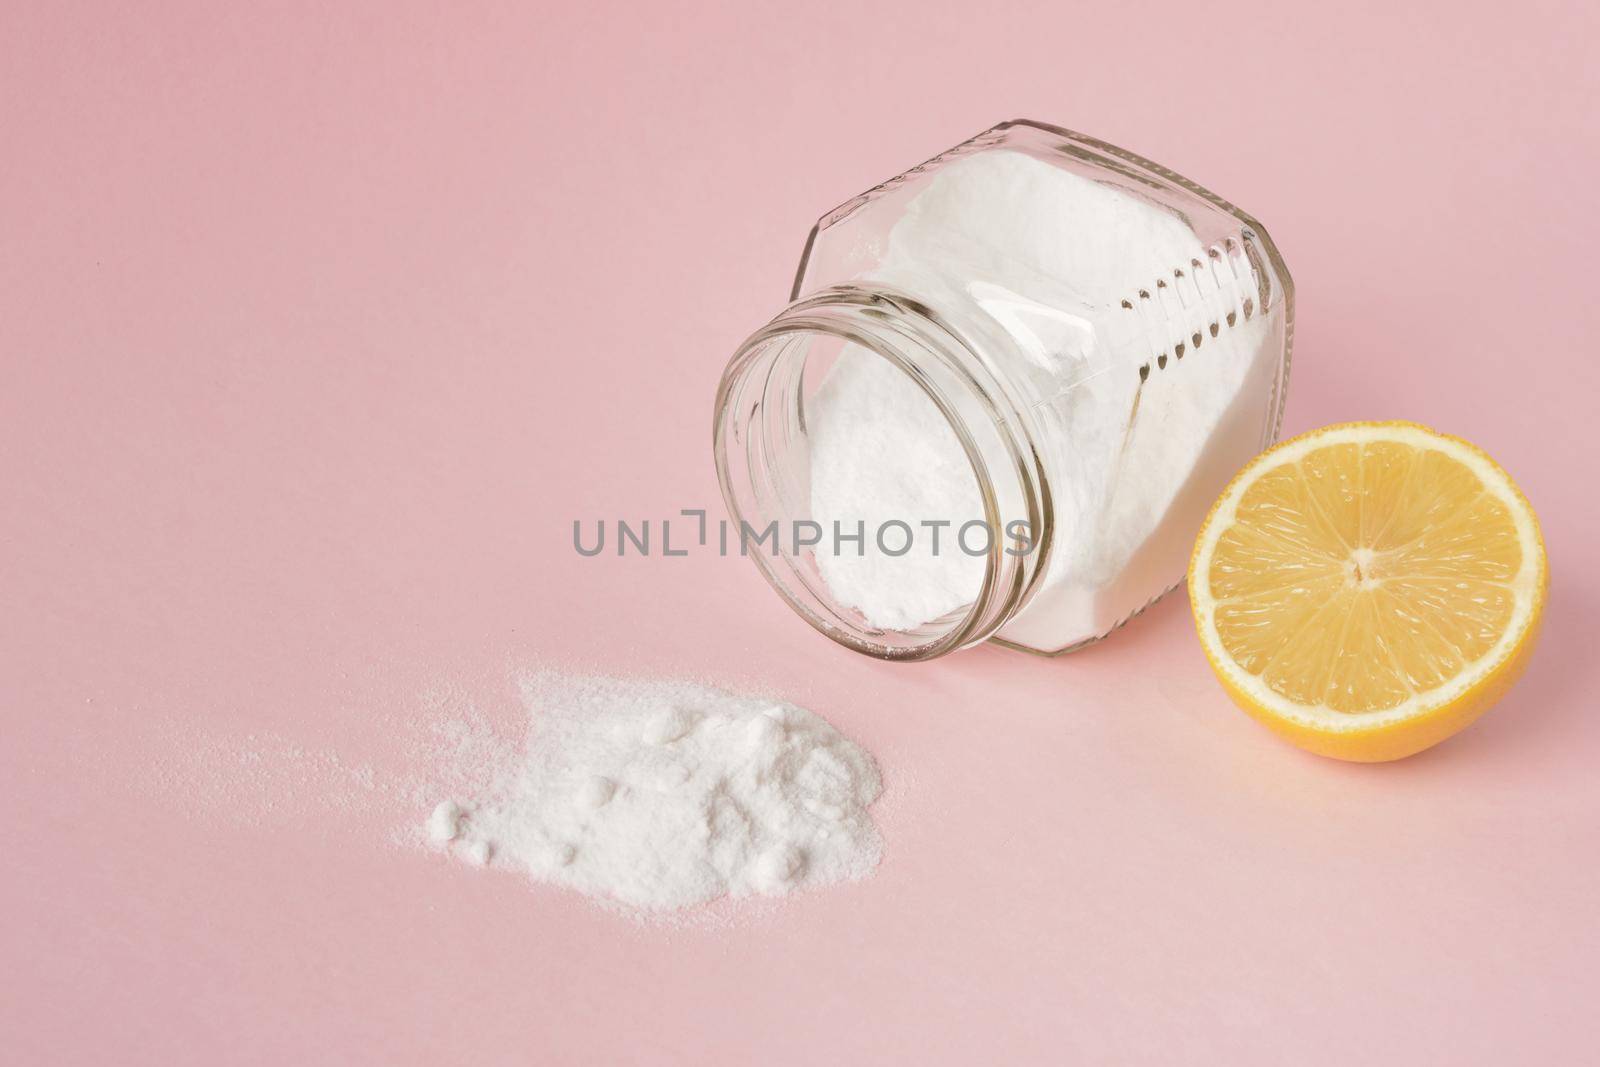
(1098, 342)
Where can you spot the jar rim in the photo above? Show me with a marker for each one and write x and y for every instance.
(757, 387)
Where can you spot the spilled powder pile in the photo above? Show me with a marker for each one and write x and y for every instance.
(665, 795)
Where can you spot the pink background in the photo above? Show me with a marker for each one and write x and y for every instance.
(321, 322)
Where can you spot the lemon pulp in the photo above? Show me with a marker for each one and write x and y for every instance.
(1364, 577)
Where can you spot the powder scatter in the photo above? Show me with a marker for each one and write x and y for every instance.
(260, 777)
(664, 795)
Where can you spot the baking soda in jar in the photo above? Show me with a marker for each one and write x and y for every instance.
(1010, 384)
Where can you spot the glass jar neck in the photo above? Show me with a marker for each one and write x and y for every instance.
(762, 451)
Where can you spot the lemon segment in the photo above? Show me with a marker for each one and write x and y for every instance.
(1368, 589)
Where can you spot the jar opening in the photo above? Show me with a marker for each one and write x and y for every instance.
(764, 440)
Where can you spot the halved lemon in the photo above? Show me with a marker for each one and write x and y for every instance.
(1369, 589)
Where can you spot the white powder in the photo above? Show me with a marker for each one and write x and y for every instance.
(882, 452)
(259, 778)
(1050, 255)
(665, 795)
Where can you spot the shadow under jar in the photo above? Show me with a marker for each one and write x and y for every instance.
(1011, 383)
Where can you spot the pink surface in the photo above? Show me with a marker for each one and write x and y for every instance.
(321, 324)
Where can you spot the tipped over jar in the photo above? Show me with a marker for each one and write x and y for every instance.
(1009, 385)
